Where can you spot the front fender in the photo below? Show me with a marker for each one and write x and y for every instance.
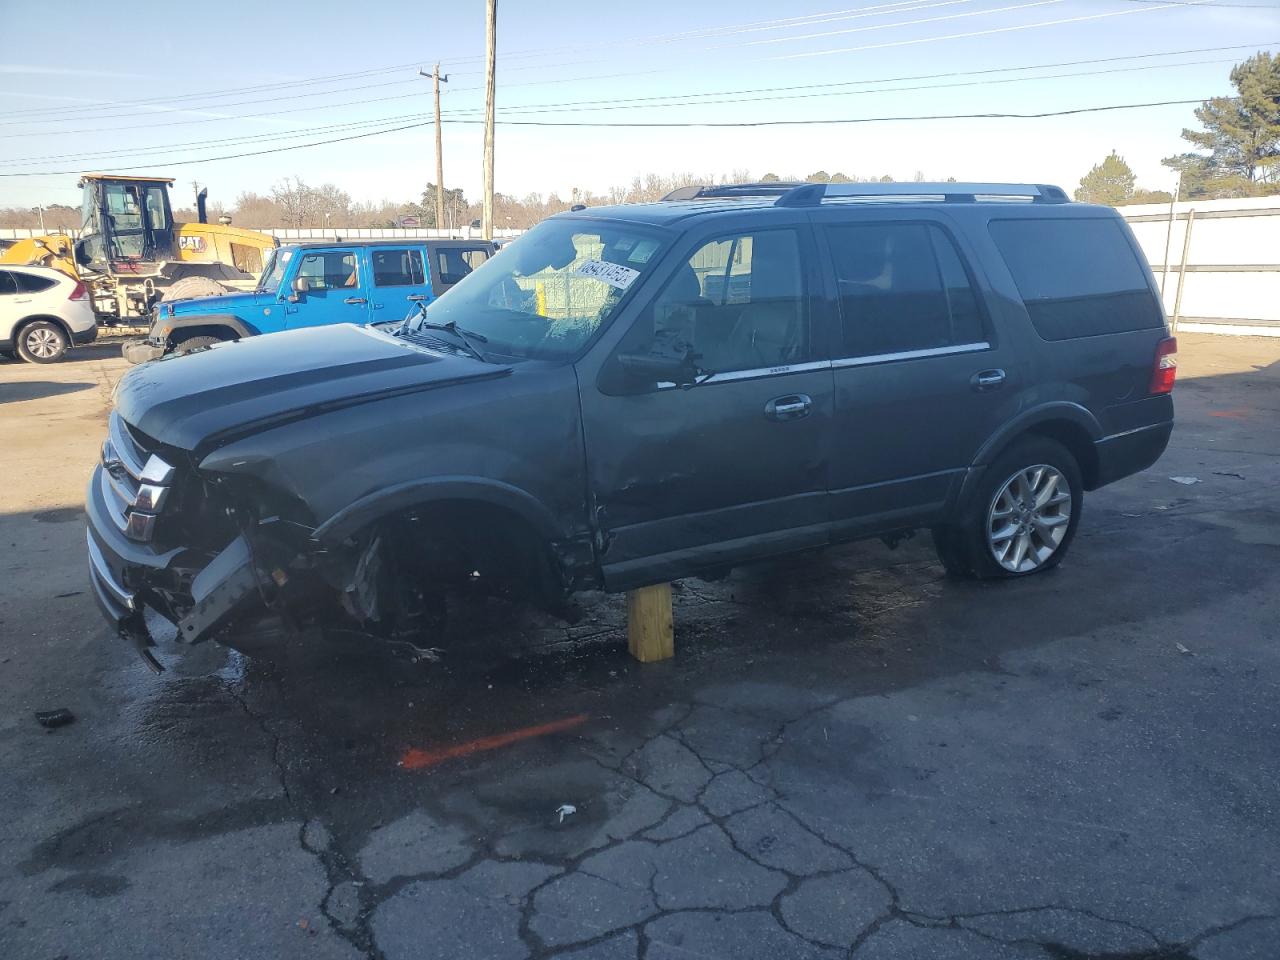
(230, 321)
(401, 496)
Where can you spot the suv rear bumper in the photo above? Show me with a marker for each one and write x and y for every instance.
(1122, 454)
(81, 337)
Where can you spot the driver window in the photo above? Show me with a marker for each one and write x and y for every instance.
(738, 304)
(329, 270)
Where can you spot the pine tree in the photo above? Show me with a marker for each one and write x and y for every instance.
(1241, 135)
(1110, 182)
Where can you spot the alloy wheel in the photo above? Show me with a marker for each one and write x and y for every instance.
(44, 343)
(1028, 518)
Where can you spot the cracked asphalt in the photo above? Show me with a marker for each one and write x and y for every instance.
(850, 757)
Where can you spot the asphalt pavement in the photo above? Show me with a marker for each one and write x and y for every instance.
(850, 755)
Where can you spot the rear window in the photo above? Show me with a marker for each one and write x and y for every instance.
(30, 283)
(1078, 278)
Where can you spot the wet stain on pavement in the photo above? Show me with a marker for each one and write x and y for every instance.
(96, 885)
(58, 515)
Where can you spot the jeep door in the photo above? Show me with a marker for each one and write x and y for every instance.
(338, 288)
(733, 467)
(921, 377)
(399, 282)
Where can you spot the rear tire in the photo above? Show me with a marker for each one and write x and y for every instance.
(42, 342)
(195, 343)
(1021, 518)
(188, 288)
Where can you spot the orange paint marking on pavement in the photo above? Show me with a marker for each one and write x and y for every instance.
(1231, 414)
(416, 759)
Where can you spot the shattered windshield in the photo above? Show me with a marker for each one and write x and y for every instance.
(547, 293)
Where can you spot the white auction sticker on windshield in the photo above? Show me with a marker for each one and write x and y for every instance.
(614, 274)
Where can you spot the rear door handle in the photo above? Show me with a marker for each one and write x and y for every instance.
(987, 380)
(791, 407)
(355, 300)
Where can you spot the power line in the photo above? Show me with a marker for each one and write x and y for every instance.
(1164, 5)
(884, 9)
(834, 122)
(653, 125)
(96, 105)
(787, 93)
(1192, 3)
(881, 9)
(685, 100)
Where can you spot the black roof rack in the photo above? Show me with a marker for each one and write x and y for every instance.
(812, 194)
(728, 191)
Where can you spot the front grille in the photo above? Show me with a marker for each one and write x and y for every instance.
(135, 483)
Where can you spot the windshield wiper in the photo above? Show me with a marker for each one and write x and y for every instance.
(466, 337)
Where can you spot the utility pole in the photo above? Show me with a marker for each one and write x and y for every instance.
(436, 80)
(491, 71)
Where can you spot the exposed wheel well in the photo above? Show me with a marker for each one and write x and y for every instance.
(221, 331)
(27, 321)
(450, 541)
(1077, 441)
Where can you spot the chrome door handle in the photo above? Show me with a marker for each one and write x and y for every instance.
(791, 407)
(987, 380)
(355, 300)
(416, 297)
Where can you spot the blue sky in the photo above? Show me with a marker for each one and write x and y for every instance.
(245, 79)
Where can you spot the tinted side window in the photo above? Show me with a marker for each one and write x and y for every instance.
(1078, 278)
(902, 287)
(29, 283)
(397, 268)
(738, 303)
(454, 263)
(329, 269)
(7, 284)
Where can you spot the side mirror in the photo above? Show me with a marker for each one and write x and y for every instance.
(301, 286)
(651, 368)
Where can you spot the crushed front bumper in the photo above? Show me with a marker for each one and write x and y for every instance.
(198, 591)
(140, 351)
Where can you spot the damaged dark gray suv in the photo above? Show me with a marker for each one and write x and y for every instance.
(627, 395)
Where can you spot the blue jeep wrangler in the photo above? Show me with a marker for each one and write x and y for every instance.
(313, 284)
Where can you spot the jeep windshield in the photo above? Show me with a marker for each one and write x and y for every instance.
(545, 295)
(273, 272)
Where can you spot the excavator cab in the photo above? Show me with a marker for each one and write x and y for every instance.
(126, 224)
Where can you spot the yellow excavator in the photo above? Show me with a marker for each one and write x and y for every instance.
(129, 252)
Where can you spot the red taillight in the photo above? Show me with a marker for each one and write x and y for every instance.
(81, 292)
(1166, 368)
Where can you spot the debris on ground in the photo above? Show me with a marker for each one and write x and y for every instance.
(1227, 473)
(1183, 650)
(1185, 481)
(55, 718)
(566, 810)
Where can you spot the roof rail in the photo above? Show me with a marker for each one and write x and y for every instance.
(812, 194)
(772, 188)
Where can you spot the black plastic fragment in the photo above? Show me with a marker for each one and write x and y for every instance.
(55, 718)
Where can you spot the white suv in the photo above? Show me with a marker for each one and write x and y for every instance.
(42, 313)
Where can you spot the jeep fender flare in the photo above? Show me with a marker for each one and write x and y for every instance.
(226, 320)
(1061, 411)
(420, 493)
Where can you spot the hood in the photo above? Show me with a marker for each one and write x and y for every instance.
(227, 303)
(197, 400)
